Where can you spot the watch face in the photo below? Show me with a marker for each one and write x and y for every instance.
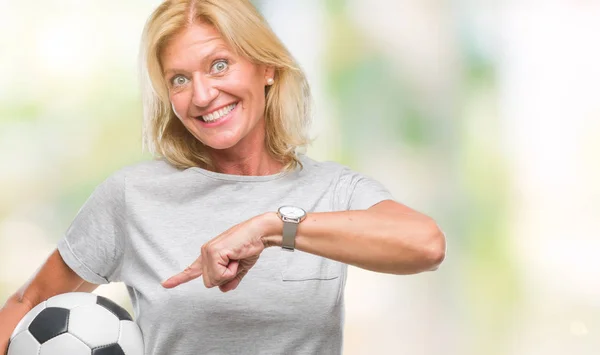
(292, 212)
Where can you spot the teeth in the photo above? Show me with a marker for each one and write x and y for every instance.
(219, 113)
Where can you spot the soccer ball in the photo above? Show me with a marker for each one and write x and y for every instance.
(77, 323)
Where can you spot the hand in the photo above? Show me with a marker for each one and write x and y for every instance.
(226, 259)
(10, 314)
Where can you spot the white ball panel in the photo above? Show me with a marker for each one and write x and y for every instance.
(94, 325)
(65, 344)
(25, 321)
(71, 300)
(130, 338)
(24, 344)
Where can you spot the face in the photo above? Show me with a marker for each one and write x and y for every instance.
(217, 95)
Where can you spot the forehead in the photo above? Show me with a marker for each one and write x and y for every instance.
(197, 40)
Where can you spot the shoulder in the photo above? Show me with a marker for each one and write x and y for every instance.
(325, 169)
(342, 175)
(150, 169)
(315, 167)
(351, 189)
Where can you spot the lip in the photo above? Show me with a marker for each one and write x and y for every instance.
(216, 109)
(221, 120)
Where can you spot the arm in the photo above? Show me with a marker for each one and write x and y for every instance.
(388, 237)
(53, 278)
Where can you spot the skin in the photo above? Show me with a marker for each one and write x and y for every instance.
(388, 237)
(204, 74)
(54, 277)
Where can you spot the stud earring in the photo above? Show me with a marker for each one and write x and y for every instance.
(270, 81)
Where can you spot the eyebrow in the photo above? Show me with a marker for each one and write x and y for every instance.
(218, 49)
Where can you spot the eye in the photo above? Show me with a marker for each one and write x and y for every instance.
(178, 80)
(219, 66)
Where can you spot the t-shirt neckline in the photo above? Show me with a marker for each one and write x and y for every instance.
(244, 178)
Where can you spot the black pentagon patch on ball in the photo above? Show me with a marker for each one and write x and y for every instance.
(113, 349)
(49, 323)
(114, 308)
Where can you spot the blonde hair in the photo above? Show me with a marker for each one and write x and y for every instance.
(287, 101)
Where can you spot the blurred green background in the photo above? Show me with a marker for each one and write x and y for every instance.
(482, 114)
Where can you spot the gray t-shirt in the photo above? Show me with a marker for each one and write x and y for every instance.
(148, 221)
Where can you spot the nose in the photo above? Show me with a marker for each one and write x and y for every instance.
(204, 92)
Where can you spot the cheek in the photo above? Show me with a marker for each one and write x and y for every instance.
(175, 110)
(256, 92)
(248, 82)
(179, 106)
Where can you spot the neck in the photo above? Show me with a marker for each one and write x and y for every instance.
(254, 164)
(248, 157)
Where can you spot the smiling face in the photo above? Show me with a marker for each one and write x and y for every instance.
(218, 96)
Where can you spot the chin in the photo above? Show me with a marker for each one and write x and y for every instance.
(220, 144)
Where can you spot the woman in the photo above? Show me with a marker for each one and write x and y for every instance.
(226, 108)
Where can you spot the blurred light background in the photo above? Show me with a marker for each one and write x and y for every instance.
(483, 114)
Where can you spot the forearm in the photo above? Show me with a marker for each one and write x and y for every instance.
(394, 243)
(10, 314)
(86, 287)
(54, 277)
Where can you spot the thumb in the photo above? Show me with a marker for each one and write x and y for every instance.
(233, 284)
(190, 273)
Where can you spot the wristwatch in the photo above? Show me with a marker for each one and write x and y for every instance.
(291, 217)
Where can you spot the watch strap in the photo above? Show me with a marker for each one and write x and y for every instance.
(289, 235)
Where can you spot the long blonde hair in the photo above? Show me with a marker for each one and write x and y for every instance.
(287, 103)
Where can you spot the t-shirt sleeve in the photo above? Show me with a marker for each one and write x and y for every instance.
(92, 245)
(356, 191)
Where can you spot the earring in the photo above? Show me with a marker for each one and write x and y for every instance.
(270, 81)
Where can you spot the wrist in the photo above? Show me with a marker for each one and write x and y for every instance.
(272, 229)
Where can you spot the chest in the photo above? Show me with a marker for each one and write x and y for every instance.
(283, 291)
(166, 234)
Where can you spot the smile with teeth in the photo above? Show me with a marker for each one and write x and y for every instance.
(215, 115)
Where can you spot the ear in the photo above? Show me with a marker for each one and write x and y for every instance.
(269, 72)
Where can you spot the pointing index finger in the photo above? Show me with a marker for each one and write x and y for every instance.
(190, 273)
